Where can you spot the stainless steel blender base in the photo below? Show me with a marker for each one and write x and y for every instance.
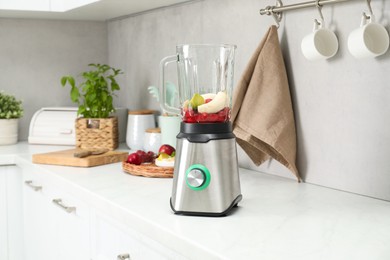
(209, 214)
(206, 179)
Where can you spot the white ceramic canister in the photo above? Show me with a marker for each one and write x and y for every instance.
(152, 140)
(8, 131)
(137, 122)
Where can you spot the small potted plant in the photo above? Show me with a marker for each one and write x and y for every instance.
(95, 128)
(10, 111)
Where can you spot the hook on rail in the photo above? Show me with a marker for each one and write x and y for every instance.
(279, 8)
(319, 7)
(269, 10)
(368, 16)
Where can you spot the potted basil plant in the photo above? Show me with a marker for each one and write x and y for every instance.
(95, 128)
(10, 111)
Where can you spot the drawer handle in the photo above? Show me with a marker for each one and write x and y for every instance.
(59, 203)
(34, 187)
(124, 257)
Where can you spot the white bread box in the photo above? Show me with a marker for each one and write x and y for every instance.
(55, 125)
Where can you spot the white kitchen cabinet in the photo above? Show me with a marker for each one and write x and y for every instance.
(3, 216)
(102, 10)
(11, 228)
(113, 240)
(38, 220)
(56, 225)
(36, 5)
(72, 228)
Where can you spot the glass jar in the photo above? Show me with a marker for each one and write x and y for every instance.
(152, 140)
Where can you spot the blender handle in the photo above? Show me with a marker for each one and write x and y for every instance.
(164, 106)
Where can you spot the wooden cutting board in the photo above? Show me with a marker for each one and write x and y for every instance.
(66, 158)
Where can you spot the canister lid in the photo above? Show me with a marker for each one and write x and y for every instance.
(153, 130)
(142, 112)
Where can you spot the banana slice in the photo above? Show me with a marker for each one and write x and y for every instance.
(209, 96)
(215, 105)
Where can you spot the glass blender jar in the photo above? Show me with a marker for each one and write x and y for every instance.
(206, 180)
(205, 75)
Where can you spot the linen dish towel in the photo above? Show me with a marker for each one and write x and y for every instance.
(262, 114)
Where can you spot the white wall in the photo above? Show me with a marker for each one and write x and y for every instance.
(341, 105)
(35, 54)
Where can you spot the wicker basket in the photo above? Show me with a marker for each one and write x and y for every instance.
(97, 133)
(148, 170)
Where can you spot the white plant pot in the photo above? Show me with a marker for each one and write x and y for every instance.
(8, 131)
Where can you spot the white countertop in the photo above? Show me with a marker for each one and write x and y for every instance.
(277, 219)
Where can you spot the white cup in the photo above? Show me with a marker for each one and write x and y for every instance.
(137, 123)
(369, 40)
(321, 44)
(170, 128)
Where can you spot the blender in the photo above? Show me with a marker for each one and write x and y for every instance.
(206, 178)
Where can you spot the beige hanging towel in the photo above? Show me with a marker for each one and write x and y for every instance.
(262, 114)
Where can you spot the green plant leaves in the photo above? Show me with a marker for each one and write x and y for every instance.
(74, 94)
(10, 107)
(66, 79)
(95, 95)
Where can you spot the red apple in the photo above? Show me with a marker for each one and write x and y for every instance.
(166, 148)
(134, 158)
(150, 156)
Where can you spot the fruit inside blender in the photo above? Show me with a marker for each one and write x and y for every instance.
(206, 108)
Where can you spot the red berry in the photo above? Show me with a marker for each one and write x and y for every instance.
(213, 118)
(134, 158)
(222, 113)
(189, 116)
(150, 156)
(203, 117)
(197, 118)
(143, 155)
(140, 152)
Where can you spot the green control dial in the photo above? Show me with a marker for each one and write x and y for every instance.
(197, 177)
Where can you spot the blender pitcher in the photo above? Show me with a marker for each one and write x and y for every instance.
(205, 77)
(206, 180)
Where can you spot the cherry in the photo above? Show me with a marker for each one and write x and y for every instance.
(191, 116)
(134, 158)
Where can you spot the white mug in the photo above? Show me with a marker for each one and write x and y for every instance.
(369, 40)
(137, 123)
(321, 44)
(170, 128)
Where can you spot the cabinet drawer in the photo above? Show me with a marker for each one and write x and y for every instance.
(38, 221)
(56, 223)
(113, 240)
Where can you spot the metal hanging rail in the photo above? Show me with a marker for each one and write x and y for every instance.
(279, 8)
